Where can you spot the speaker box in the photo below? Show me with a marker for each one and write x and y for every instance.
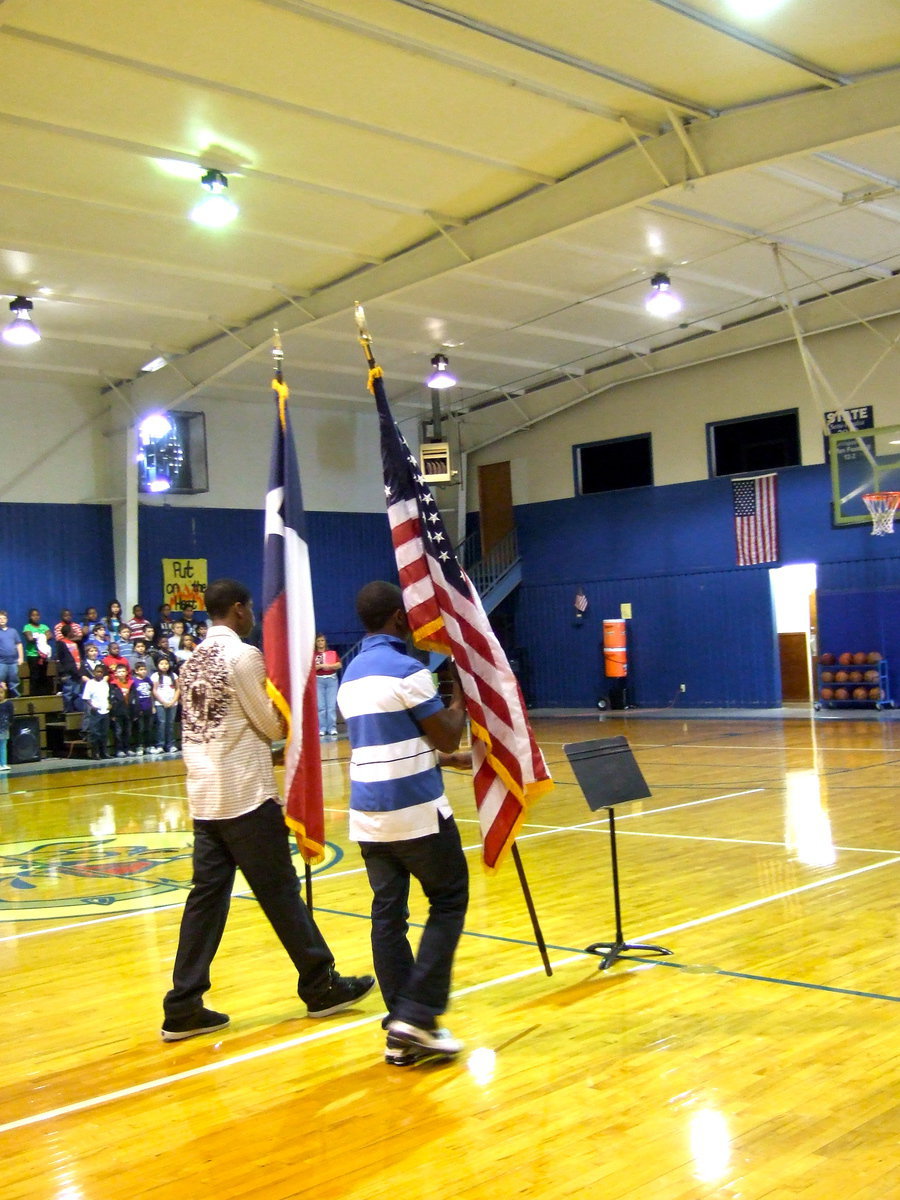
(24, 740)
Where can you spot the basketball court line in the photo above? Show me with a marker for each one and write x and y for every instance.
(149, 1085)
(248, 1056)
(596, 826)
(692, 969)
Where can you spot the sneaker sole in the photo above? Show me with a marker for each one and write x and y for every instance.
(168, 1036)
(400, 1041)
(415, 1060)
(342, 1007)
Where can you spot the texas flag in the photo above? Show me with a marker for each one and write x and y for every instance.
(289, 638)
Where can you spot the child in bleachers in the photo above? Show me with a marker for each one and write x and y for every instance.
(165, 693)
(6, 716)
(140, 699)
(126, 649)
(120, 712)
(142, 655)
(96, 702)
(115, 659)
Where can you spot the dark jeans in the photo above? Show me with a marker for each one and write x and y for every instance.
(257, 842)
(416, 988)
(121, 729)
(97, 729)
(143, 729)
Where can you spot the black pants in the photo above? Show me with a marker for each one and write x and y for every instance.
(258, 843)
(416, 988)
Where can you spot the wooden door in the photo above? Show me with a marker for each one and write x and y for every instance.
(494, 503)
(793, 651)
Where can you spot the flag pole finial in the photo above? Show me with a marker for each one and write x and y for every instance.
(278, 385)
(365, 339)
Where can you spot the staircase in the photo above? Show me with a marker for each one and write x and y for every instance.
(494, 577)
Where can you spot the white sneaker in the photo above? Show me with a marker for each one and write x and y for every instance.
(4, 767)
(435, 1041)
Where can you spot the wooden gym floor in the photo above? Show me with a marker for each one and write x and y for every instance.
(762, 1059)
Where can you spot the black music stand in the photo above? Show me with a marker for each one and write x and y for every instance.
(608, 775)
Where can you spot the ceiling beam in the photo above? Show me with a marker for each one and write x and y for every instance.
(733, 142)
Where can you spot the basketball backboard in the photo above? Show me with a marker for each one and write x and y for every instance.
(862, 462)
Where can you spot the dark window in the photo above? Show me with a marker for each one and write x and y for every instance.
(754, 443)
(613, 465)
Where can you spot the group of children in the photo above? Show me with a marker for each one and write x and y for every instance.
(121, 673)
(139, 711)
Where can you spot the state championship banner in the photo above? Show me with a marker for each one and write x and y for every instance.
(445, 615)
(289, 637)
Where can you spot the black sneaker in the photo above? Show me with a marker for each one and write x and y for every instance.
(344, 992)
(176, 1029)
(430, 1041)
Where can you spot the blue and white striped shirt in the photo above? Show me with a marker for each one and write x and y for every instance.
(396, 789)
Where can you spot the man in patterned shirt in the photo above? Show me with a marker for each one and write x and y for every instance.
(403, 822)
(228, 726)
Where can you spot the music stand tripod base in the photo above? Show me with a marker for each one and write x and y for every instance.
(611, 951)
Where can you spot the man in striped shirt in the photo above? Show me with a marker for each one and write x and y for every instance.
(403, 822)
(228, 726)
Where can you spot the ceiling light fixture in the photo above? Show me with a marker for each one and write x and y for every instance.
(662, 301)
(155, 364)
(441, 376)
(215, 209)
(21, 331)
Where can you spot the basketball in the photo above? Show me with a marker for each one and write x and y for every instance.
(860, 656)
(876, 694)
(855, 676)
(845, 659)
(840, 676)
(860, 693)
(827, 676)
(841, 694)
(826, 693)
(870, 676)
(828, 659)
(874, 656)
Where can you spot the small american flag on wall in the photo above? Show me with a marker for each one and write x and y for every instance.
(755, 519)
(581, 603)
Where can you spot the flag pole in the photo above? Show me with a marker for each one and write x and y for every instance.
(281, 393)
(526, 892)
(365, 340)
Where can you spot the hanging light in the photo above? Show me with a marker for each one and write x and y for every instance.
(661, 300)
(215, 209)
(441, 376)
(21, 331)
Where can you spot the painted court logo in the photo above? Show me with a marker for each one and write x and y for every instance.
(86, 876)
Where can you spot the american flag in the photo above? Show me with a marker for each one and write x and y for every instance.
(289, 638)
(445, 615)
(581, 602)
(755, 519)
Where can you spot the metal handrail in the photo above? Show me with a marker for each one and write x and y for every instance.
(484, 574)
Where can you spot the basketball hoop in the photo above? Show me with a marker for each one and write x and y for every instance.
(882, 506)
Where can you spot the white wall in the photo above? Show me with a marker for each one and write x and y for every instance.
(675, 408)
(66, 446)
(52, 443)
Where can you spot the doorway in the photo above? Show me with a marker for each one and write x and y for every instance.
(794, 604)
